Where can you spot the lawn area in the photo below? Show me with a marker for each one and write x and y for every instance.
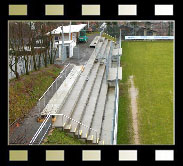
(60, 137)
(151, 64)
(25, 92)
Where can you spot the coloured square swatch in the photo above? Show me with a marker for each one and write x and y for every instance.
(163, 9)
(54, 155)
(54, 9)
(90, 9)
(18, 155)
(91, 155)
(127, 9)
(127, 155)
(164, 155)
(15, 10)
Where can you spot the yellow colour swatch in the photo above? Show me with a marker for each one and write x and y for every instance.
(90, 10)
(91, 155)
(18, 155)
(55, 155)
(54, 10)
(17, 10)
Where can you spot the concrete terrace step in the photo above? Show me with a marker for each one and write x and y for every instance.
(82, 102)
(107, 126)
(76, 92)
(106, 53)
(101, 53)
(81, 105)
(102, 39)
(59, 98)
(90, 108)
(95, 41)
(99, 112)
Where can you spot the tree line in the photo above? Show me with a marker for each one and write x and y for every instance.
(28, 39)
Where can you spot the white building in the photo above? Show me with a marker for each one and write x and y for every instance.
(71, 33)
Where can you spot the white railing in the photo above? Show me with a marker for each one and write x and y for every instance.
(44, 99)
(116, 102)
(47, 123)
(42, 131)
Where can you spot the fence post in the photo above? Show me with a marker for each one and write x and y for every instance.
(78, 132)
(39, 107)
(65, 72)
(44, 101)
(62, 123)
(56, 83)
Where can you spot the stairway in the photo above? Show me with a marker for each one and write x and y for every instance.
(72, 126)
(98, 116)
(89, 108)
(76, 92)
(81, 105)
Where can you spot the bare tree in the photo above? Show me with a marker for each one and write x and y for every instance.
(13, 49)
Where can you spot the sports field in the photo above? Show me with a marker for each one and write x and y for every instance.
(151, 65)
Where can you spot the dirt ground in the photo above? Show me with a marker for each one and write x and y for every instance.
(22, 132)
(133, 92)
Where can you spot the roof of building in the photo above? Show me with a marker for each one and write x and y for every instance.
(66, 29)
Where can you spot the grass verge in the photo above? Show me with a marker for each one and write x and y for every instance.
(25, 92)
(151, 64)
(60, 137)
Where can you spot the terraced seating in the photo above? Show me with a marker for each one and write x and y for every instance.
(90, 104)
(95, 41)
(106, 53)
(101, 53)
(72, 126)
(90, 108)
(81, 105)
(98, 116)
(74, 96)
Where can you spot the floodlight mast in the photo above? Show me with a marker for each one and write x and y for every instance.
(70, 31)
(63, 58)
(120, 39)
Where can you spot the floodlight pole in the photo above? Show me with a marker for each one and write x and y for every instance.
(70, 31)
(120, 39)
(63, 43)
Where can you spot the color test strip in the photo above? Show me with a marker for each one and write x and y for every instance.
(18, 155)
(127, 155)
(164, 155)
(54, 9)
(90, 10)
(15, 10)
(127, 9)
(54, 155)
(163, 10)
(91, 155)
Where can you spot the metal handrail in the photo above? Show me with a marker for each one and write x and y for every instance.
(51, 86)
(115, 103)
(39, 129)
(46, 120)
